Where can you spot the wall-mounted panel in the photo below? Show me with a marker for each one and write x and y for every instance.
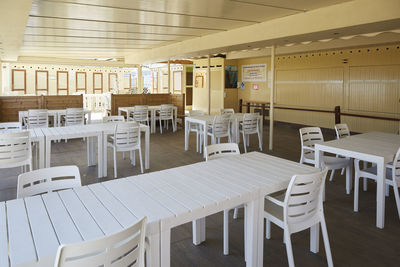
(127, 81)
(62, 83)
(113, 82)
(18, 80)
(177, 81)
(374, 89)
(81, 83)
(312, 88)
(97, 82)
(41, 81)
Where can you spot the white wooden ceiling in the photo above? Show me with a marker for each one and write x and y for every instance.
(104, 28)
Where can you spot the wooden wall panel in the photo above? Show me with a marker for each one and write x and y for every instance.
(63, 102)
(374, 89)
(179, 101)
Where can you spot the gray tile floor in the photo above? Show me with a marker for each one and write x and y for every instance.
(354, 239)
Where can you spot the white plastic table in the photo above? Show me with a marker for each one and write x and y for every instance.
(55, 113)
(31, 229)
(206, 120)
(38, 137)
(375, 147)
(97, 131)
(153, 110)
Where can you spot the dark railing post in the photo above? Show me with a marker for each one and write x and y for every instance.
(337, 114)
(263, 112)
(240, 105)
(248, 107)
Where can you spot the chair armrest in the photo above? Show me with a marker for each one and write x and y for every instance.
(309, 148)
(274, 200)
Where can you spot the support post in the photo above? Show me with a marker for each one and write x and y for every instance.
(140, 80)
(337, 114)
(263, 111)
(169, 76)
(240, 105)
(271, 101)
(248, 107)
(209, 83)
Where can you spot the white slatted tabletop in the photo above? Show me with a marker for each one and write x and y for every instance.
(375, 147)
(31, 229)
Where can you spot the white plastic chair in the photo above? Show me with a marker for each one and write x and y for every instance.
(124, 248)
(342, 130)
(310, 136)
(74, 116)
(37, 118)
(392, 178)
(227, 111)
(113, 118)
(48, 180)
(196, 128)
(10, 126)
(126, 138)
(250, 126)
(217, 151)
(300, 208)
(15, 150)
(221, 127)
(141, 114)
(166, 114)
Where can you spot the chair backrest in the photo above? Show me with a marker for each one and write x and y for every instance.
(113, 118)
(141, 113)
(126, 135)
(38, 118)
(221, 150)
(9, 126)
(166, 111)
(303, 201)
(124, 248)
(196, 112)
(48, 180)
(227, 111)
(15, 149)
(309, 136)
(250, 123)
(342, 130)
(74, 116)
(221, 125)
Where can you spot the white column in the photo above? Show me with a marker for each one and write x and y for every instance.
(140, 80)
(271, 101)
(209, 83)
(169, 77)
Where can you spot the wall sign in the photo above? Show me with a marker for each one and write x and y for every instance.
(255, 86)
(254, 73)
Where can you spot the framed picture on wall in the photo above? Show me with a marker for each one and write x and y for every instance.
(177, 81)
(62, 83)
(18, 80)
(199, 81)
(80, 81)
(41, 81)
(97, 82)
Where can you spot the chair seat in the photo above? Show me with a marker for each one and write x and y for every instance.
(372, 171)
(335, 163)
(273, 211)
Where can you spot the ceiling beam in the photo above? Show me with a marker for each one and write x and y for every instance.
(13, 19)
(359, 16)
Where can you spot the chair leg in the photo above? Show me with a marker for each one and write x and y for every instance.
(326, 242)
(332, 174)
(387, 190)
(123, 155)
(160, 127)
(267, 229)
(348, 180)
(289, 251)
(140, 159)
(226, 232)
(356, 190)
(259, 141)
(342, 172)
(244, 143)
(235, 213)
(115, 163)
(365, 184)
(397, 197)
(248, 140)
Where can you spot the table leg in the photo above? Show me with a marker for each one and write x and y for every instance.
(260, 232)
(176, 117)
(91, 151)
(205, 138)
(153, 253)
(252, 233)
(186, 134)
(41, 152)
(105, 159)
(199, 231)
(165, 248)
(48, 152)
(153, 120)
(380, 194)
(99, 155)
(147, 148)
